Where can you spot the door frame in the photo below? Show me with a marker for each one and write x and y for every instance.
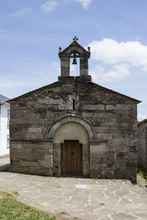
(81, 146)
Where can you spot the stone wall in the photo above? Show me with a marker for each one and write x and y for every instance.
(32, 157)
(142, 145)
(111, 116)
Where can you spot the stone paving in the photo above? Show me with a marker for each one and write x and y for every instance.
(73, 198)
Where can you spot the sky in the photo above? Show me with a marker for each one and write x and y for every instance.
(31, 32)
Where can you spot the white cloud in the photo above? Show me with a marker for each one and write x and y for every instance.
(21, 12)
(117, 60)
(49, 6)
(111, 74)
(85, 3)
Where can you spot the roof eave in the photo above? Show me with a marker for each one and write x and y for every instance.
(133, 99)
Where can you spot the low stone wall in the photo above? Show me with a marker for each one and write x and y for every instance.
(142, 145)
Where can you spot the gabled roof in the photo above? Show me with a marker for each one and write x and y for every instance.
(116, 93)
(35, 90)
(73, 45)
(3, 99)
(58, 83)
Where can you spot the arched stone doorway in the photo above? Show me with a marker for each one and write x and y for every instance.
(70, 138)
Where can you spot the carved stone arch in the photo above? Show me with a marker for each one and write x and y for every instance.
(76, 49)
(58, 134)
(73, 119)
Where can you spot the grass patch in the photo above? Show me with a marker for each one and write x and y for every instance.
(11, 209)
(142, 173)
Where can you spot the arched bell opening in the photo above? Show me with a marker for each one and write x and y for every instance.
(74, 60)
(74, 64)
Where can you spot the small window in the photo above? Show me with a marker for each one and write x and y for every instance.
(74, 104)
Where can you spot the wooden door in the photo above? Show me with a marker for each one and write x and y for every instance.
(71, 158)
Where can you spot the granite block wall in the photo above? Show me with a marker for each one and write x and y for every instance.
(111, 116)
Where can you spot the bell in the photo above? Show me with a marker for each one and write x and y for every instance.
(74, 61)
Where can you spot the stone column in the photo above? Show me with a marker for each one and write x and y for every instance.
(83, 66)
(86, 160)
(65, 66)
(51, 159)
(57, 159)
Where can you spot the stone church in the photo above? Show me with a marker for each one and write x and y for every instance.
(74, 127)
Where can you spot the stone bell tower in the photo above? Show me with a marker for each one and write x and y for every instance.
(74, 51)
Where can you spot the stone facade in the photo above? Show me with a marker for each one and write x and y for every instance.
(142, 145)
(74, 108)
